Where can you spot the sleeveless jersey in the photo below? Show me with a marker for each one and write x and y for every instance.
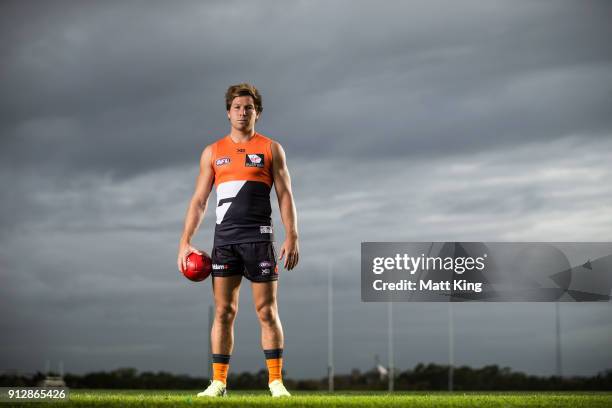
(243, 179)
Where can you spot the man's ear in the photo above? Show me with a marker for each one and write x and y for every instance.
(257, 117)
(228, 116)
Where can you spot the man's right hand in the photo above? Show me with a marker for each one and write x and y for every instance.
(184, 250)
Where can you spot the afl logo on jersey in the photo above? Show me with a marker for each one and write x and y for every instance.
(222, 161)
(254, 160)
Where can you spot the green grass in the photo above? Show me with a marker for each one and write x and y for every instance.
(145, 398)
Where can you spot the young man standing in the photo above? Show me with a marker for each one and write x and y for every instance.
(243, 166)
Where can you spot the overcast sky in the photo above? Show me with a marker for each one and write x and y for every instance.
(437, 120)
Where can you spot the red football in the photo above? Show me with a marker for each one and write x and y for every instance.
(198, 267)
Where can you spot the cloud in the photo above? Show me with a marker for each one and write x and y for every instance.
(126, 89)
(100, 258)
(401, 121)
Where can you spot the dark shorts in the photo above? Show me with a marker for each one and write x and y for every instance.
(255, 260)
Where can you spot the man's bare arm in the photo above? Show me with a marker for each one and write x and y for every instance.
(197, 207)
(282, 185)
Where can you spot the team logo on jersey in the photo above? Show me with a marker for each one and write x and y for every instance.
(222, 161)
(254, 160)
(265, 229)
(240, 150)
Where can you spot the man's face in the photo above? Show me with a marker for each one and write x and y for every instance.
(242, 114)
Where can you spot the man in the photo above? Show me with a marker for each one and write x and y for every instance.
(244, 166)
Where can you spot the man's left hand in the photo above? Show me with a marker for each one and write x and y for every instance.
(291, 249)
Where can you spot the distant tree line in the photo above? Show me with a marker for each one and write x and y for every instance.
(421, 378)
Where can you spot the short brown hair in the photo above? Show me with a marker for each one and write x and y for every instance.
(243, 89)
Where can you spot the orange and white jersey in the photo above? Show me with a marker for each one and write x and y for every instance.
(243, 179)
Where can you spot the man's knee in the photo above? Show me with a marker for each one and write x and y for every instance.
(267, 313)
(226, 313)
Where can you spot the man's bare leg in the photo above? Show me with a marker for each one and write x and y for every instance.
(264, 298)
(226, 292)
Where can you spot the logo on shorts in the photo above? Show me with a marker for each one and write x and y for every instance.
(254, 160)
(219, 267)
(222, 161)
(265, 229)
(265, 264)
(265, 271)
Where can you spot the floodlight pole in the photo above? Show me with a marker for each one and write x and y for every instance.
(391, 363)
(330, 328)
(558, 335)
(451, 345)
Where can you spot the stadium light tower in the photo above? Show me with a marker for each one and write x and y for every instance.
(558, 335)
(391, 363)
(451, 345)
(330, 328)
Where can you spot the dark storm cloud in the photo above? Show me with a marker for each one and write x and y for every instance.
(120, 88)
(345, 79)
(105, 251)
(401, 121)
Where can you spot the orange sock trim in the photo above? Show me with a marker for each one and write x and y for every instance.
(220, 372)
(275, 369)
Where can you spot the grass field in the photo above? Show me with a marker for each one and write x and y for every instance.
(133, 398)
